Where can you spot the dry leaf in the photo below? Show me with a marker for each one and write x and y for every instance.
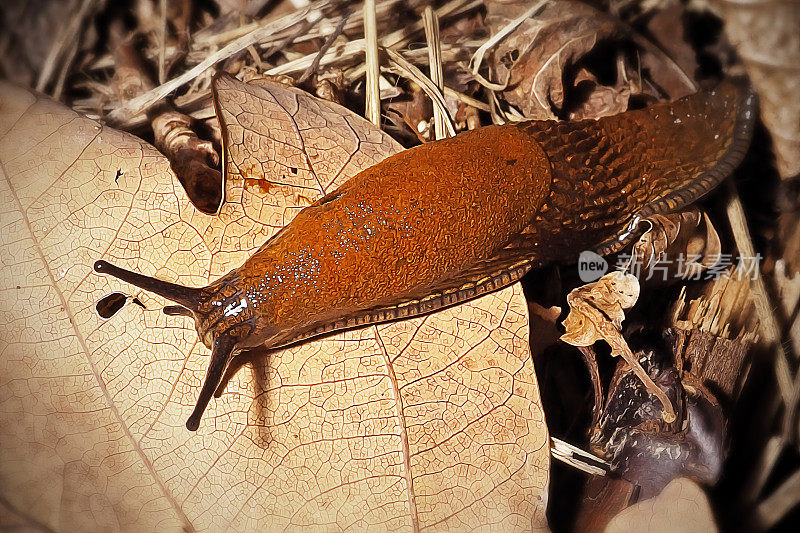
(682, 507)
(596, 313)
(534, 56)
(191, 158)
(677, 245)
(766, 38)
(428, 423)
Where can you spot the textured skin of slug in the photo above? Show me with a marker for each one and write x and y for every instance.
(398, 228)
(624, 168)
(448, 221)
(473, 213)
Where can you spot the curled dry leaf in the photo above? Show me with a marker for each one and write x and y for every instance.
(533, 57)
(191, 158)
(428, 423)
(681, 507)
(677, 245)
(596, 313)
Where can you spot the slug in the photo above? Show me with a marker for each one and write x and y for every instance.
(451, 220)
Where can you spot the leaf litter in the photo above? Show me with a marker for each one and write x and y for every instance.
(565, 60)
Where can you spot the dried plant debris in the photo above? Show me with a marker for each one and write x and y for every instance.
(596, 313)
(572, 61)
(530, 62)
(677, 246)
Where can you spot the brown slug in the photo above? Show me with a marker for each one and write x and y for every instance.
(451, 220)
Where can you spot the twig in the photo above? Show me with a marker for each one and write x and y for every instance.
(668, 414)
(474, 102)
(769, 325)
(373, 103)
(590, 359)
(766, 462)
(781, 501)
(66, 66)
(312, 68)
(790, 415)
(578, 458)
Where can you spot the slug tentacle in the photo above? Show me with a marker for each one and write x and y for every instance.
(221, 353)
(177, 310)
(223, 318)
(187, 297)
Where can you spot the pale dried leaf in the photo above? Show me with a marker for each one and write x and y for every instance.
(598, 308)
(433, 422)
(682, 507)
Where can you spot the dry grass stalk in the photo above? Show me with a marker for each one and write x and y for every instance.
(769, 324)
(373, 103)
(431, 23)
(770, 511)
(399, 65)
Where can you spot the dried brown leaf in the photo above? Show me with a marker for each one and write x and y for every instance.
(677, 245)
(534, 56)
(428, 423)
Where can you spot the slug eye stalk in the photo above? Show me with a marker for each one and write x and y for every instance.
(189, 299)
(221, 355)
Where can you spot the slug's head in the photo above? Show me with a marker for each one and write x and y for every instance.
(223, 319)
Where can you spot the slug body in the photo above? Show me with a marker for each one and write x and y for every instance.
(447, 221)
